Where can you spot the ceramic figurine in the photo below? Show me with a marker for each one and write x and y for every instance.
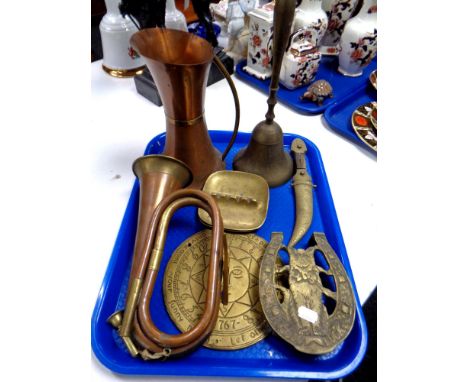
(119, 58)
(338, 12)
(174, 18)
(238, 32)
(219, 10)
(359, 40)
(318, 91)
(302, 59)
(260, 41)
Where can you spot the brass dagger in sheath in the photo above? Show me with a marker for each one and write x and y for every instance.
(302, 183)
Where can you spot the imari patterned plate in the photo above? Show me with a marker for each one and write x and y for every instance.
(364, 122)
(373, 79)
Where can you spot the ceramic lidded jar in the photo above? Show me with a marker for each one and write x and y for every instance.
(119, 58)
(302, 58)
(359, 40)
(338, 12)
(260, 41)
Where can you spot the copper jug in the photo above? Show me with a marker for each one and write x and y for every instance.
(179, 63)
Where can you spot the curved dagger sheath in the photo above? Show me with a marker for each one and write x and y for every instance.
(302, 183)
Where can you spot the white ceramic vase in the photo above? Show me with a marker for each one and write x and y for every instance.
(174, 19)
(260, 41)
(119, 58)
(338, 12)
(359, 40)
(302, 58)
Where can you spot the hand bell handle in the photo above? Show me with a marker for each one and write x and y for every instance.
(283, 17)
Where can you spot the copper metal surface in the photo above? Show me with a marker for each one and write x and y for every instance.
(241, 322)
(265, 155)
(242, 199)
(179, 63)
(302, 184)
(158, 176)
(310, 302)
(144, 337)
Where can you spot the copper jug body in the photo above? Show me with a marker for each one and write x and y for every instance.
(179, 63)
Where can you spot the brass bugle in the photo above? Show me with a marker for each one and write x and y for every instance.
(158, 176)
(152, 342)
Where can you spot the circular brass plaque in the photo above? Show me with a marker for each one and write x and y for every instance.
(241, 323)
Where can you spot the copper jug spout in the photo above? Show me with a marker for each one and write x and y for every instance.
(179, 63)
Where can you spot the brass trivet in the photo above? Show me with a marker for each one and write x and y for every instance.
(301, 303)
(241, 323)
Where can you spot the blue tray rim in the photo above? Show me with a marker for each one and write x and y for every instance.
(233, 371)
(333, 106)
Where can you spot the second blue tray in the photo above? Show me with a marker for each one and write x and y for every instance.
(271, 357)
(338, 116)
(328, 70)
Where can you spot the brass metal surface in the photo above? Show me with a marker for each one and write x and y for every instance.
(179, 63)
(310, 302)
(241, 322)
(302, 184)
(364, 122)
(116, 319)
(242, 199)
(265, 155)
(123, 73)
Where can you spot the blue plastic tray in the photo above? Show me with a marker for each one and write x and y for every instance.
(271, 357)
(338, 116)
(328, 70)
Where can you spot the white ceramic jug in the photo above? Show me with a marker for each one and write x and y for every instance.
(119, 58)
(359, 40)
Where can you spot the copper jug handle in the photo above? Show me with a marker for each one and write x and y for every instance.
(226, 75)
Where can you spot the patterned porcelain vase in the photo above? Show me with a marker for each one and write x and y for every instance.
(338, 12)
(302, 58)
(260, 41)
(359, 40)
(119, 58)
